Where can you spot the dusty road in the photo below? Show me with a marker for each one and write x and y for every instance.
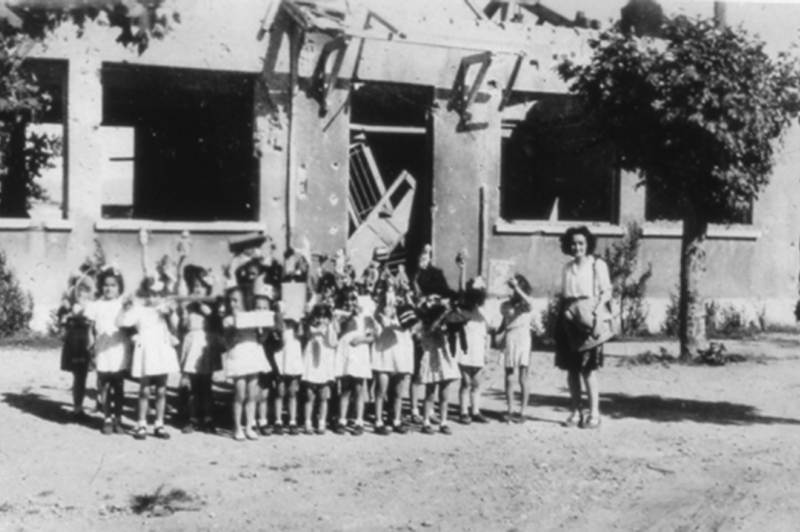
(681, 448)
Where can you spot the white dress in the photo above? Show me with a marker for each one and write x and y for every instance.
(290, 359)
(154, 349)
(476, 330)
(112, 345)
(200, 347)
(437, 363)
(319, 358)
(355, 360)
(245, 354)
(517, 351)
(393, 351)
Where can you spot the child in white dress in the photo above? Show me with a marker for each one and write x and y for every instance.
(154, 354)
(354, 357)
(112, 347)
(244, 361)
(517, 316)
(392, 358)
(319, 359)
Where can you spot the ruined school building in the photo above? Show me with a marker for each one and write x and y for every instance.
(393, 123)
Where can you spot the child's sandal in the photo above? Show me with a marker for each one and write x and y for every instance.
(591, 422)
(427, 429)
(574, 420)
(239, 436)
(278, 431)
(401, 428)
(319, 431)
(251, 434)
(140, 433)
(293, 430)
(383, 430)
(464, 419)
(445, 429)
(161, 433)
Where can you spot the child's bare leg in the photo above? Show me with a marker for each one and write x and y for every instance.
(444, 401)
(414, 396)
(523, 388)
(324, 398)
(475, 392)
(381, 385)
(399, 386)
(262, 384)
(430, 392)
(161, 399)
(240, 385)
(250, 404)
(144, 400)
(292, 390)
(509, 389)
(359, 387)
(309, 406)
(466, 386)
(277, 401)
(344, 401)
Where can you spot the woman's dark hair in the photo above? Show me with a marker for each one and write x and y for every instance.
(566, 239)
(110, 272)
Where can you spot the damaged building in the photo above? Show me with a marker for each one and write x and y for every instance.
(361, 124)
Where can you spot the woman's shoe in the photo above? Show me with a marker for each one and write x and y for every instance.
(592, 422)
(574, 420)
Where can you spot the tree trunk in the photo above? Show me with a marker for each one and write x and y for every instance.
(14, 196)
(691, 308)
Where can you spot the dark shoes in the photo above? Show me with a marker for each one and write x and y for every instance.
(140, 433)
(161, 433)
(445, 429)
(401, 429)
(340, 429)
(383, 430)
(278, 430)
(358, 430)
(427, 429)
(464, 419)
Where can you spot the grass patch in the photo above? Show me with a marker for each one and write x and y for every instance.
(162, 502)
(714, 355)
(31, 342)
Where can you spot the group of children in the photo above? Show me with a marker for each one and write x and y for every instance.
(282, 335)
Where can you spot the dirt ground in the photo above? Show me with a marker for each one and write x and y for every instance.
(681, 448)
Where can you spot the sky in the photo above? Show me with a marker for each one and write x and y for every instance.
(777, 23)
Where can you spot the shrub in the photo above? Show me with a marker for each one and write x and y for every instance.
(727, 321)
(671, 320)
(546, 331)
(16, 305)
(629, 286)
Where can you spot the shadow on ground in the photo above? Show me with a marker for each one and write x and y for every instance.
(669, 409)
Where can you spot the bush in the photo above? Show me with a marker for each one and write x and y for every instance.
(726, 321)
(628, 288)
(16, 305)
(546, 332)
(670, 326)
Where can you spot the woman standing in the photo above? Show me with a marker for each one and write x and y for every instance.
(583, 325)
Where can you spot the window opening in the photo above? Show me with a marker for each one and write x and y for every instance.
(179, 143)
(555, 166)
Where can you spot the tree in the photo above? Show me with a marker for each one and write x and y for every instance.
(697, 113)
(22, 101)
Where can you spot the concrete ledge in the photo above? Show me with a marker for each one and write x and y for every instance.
(27, 224)
(532, 227)
(715, 231)
(177, 227)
